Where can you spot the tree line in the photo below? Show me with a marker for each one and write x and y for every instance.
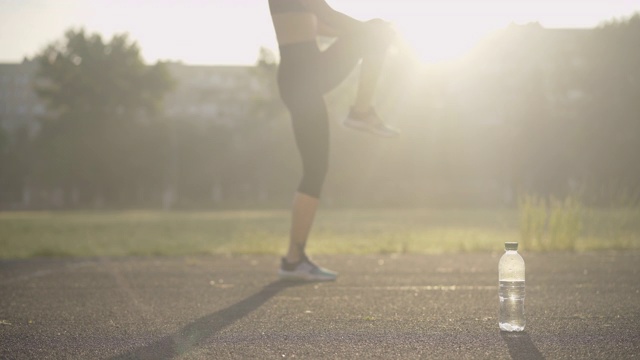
(525, 111)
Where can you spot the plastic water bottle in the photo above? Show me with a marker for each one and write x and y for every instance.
(511, 292)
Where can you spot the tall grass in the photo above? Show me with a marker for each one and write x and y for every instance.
(551, 224)
(533, 219)
(548, 224)
(618, 220)
(565, 223)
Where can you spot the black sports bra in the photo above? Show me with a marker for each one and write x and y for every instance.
(283, 6)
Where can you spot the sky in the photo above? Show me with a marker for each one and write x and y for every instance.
(230, 32)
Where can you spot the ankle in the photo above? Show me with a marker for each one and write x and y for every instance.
(287, 265)
(292, 260)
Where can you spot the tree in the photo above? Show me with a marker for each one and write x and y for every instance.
(101, 99)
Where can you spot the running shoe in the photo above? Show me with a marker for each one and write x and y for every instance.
(305, 270)
(370, 122)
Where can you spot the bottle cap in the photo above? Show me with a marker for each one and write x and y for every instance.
(511, 246)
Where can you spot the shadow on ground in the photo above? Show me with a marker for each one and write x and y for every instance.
(521, 347)
(193, 334)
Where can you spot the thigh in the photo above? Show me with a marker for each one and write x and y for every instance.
(300, 92)
(338, 61)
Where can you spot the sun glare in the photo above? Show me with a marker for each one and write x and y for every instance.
(438, 31)
(438, 41)
(445, 30)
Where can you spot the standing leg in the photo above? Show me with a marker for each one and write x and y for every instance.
(311, 129)
(296, 265)
(303, 213)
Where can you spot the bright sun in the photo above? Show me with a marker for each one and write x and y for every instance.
(437, 31)
(440, 41)
(441, 30)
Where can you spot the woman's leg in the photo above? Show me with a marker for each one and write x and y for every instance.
(310, 123)
(380, 37)
(336, 63)
(296, 265)
(311, 130)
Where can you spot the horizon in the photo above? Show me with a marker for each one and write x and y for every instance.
(203, 27)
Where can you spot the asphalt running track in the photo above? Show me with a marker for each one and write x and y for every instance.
(579, 306)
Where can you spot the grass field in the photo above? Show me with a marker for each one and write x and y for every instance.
(144, 233)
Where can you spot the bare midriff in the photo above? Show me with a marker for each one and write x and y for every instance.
(295, 27)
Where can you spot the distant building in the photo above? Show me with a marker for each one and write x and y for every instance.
(19, 104)
(217, 94)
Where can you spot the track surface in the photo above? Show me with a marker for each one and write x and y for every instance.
(579, 306)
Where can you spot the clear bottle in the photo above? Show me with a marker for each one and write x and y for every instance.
(511, 291)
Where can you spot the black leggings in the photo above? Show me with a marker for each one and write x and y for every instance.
(304, 76)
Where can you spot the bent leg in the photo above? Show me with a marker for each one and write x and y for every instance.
(369, 45)
(371, 68)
